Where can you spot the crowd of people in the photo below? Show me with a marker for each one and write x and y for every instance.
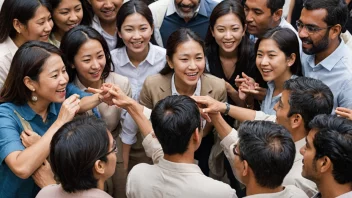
(175, 98)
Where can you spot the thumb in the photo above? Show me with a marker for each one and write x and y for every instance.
(244, 75)
(28, 132)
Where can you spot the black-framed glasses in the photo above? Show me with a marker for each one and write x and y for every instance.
(311, 29)
(236, 152)
(113, 150)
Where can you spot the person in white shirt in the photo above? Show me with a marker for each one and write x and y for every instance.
(302, 99)
(21, 21)
(136, 58)
(105, 17)
(261, 154)
(327, 156)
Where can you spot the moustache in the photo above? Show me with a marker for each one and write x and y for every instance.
(306, 40)
(191, 6)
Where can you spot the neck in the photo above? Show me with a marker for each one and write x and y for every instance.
(299, 134)
(228, 55)
(40, 108)
(18, 40)
(187, 157)
(184, 89)
(253, 188)
(100, 184)
(137, 58)
(108, 26)
(86, 83)
(330, 188)
(279, 82)
(58, 35)
(332, 47)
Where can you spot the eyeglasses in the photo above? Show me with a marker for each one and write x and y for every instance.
(236, 152)
(114, 148)
(311, 29)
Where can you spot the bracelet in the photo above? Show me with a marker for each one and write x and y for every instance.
(227, 109)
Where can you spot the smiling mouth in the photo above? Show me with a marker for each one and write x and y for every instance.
(192, 74)
(62, 90)
(266, 71)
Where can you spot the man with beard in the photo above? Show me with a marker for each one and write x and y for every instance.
(170, 15)
(327, 156)
(325, 57)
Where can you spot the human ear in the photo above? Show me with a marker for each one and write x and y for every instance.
(296, 121)
(277, 15)
(335, 31)
(17, 25)
(245, 168)
(324, 164)
(169, 62)
(29, 83)
(291, 60)
(99, 167)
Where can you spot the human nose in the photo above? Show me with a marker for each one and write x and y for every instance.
(192, 64)
(48, 26)
(63, 79)
(302, 150)
(275, 106)
(95, 64)
(264, 60)
(249, 16)
(136, 34)
(73, 16)
(302, 32)
(108, 4)
(228, 34)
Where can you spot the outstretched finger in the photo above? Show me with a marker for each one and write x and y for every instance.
(93, 90)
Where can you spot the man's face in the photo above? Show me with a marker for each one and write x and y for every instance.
(309, 169)
(316, 39)
(258, 16)
(282, 108)
(186, 8)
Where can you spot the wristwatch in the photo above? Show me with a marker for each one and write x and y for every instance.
(227, 109)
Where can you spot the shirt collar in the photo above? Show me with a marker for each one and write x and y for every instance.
(172, 9)
(330, 61)
(11, 46)
(28, 114)
(174, 91)
(179, 167)
(150, 56)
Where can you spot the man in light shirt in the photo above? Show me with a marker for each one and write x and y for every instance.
(302, 99)
(327, 156)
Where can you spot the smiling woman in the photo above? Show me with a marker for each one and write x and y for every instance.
(21, 21)
(35, 93)
(66, 15)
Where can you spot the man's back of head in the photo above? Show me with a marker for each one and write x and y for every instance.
(308, 97)
(175, 119)
(328, 154)
(267, 149)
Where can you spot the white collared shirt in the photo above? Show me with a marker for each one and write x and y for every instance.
(174, 91)
(153, 63)
(110, 39)
(7, 51)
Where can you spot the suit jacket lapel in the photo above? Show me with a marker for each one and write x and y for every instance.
(206, 88)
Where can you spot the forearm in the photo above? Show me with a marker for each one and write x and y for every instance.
(220, 125)
(126, 148)
(24, 163)
(89, 102)
(136, 111)
(235, 97)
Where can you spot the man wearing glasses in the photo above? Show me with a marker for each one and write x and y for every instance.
(325, 56)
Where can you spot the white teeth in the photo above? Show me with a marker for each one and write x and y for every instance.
(191, 74)
(61, 90)
(266, 70)
(137, 43)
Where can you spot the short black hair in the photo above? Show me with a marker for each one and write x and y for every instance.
(334, 140)
(174, 120)
(337, 10)
(308, 97)
(269, 150)
(75, 148)
(275, 5)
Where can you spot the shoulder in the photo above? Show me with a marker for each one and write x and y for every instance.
(217, 188)
(116, 79)
(157, 79)
(50, 191)
(293, 191)
(158, 50)
(159, 4)
(213, 80)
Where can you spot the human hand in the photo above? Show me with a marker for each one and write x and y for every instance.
(258, 92)
(209, 105)
(69, 109)
(119, 98)
(44, 176)
(344, 112)
(29, 138)
(104, 95)
(245, 78)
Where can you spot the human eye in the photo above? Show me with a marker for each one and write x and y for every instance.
(312, 28)
(220, 29)
(63, 13)
(259, 55)
(246, 8)
(272, 55)
(258, 12)
(101, 56)
(78, 9)
(86, 60)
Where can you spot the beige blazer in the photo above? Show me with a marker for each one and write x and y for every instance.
(157, 87)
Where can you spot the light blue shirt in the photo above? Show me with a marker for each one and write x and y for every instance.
(153, 63)
(335, 71)
(269, 102)
(10, 131)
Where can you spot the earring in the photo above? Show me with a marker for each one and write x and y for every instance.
(34, 98)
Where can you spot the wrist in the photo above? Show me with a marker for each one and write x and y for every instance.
(227, 109)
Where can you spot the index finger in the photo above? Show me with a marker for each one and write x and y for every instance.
(93, 90)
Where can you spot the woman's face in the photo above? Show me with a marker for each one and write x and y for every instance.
(106, 10)
(271, 61)
(136, 33)
(90, 62)
(188, 63)
(52, 81)
(68, 14)
(228, 32)
(38, 27)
